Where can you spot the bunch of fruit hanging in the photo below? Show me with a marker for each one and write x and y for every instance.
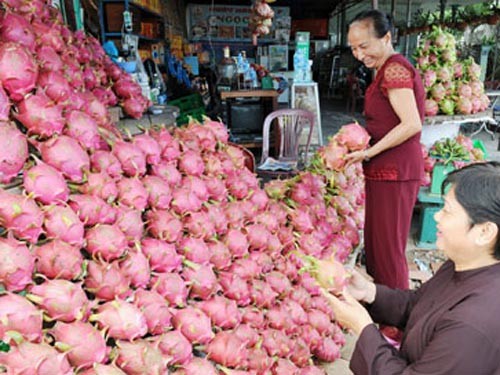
(261, 19)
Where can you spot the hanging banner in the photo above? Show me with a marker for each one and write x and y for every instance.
(229, 22)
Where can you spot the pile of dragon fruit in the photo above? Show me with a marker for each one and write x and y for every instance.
(51, 75)
(452, 86)
(160, 253)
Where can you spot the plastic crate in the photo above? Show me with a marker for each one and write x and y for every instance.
(439, 173)
(477, 143)
(189, 106)
(428, 230)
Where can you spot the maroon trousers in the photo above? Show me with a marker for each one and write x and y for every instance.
(389, 208)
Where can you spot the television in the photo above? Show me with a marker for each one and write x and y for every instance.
(247, 117)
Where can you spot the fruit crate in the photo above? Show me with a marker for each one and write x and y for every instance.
(439, 173)
(427, 235)
(189, 106)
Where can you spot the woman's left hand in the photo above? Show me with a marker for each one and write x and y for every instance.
(349, 313)
(355, 157)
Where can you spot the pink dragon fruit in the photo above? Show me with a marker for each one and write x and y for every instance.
(171, 286)
(130, 223)
(15, 28)
(155, 310)
(62, 223)
(198, 366)
(220, 257)
(106, 242)
(276, 343)
(135, 267)
(92, 210)
(333, 156)
(20, 315)
(193, 324)
(55, 85)
(131, 157)
(327, 350)
(48, 58)
(353, 136)
(83, 128)
(16, 264)
(105, 161)
(20, 78)
(30, 358)
(237, 243)
(140, 357)
(101, 185)
(58, 260)
(284, 366)
(99, 369)
(444, 74)
(477, 88)
(235, 288)
(159, 193)
(149, 146)
(132, 193)
(431, 107)
(164, 225)
(259, 361)
(222, 312)
(464, 90)
(121, 320)
(191, 163)
(4, 105)
(14, 151)
(457, 70)
(66, 155)
(227, 349)
(40, 115)
(464, 105)
(106, 281)
(167, 171)
(198, 224)
(46, 184)
(476, 104)
(21, 216)
(438, 92)
(201, 279)
(81, 353)
(473, 69)
(175, 345)
(194, 249)
(161, 255)
(429, 77)
(61, 300)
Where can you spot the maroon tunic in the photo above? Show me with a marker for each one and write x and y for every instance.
(392, 177)
(451, 327)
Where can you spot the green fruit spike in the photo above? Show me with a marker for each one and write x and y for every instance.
(4, 347)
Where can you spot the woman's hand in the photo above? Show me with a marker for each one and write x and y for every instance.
(349, 313)
(360, 288)
(356, 156)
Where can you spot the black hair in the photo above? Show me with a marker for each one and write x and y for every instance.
(382, 22)
(477, 189)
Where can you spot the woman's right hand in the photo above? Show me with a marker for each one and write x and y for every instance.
(360, 288)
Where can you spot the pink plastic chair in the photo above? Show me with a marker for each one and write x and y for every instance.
(290, 123)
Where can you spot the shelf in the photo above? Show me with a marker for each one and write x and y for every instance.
(141, 37)
(143, 8)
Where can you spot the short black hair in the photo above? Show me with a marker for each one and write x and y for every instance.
(477, 189)
(382, 22)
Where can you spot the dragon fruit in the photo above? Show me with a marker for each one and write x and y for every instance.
(198, 224)
(464, 90)
(14, 151)
(131, 157)
(81, 353)
(191, 163)
(171, 286)
(130, 223)
(99, 369)
(21, 216)
(235, 288)
(62, 223)
(431, 107)
(327, 350)
(92, 210)
(194, 249)
(61, 300)
(106, 242)
(121, 320)
(15, 28)
(135, 267)
(447, 106)
(132, 193)
(161, 255)
(193, 324)
(159, 193)
(20, 78)
(140, 357)
(105, 161)
(227, 349)
(83, 128)
(4, 105)
(198, 366)
(106, 281)
(149, 146)
(201, 279)
(46, 184)
(164, 225)
(30, 358)
(353, 136)
(444, 74)
(176, 346)
(101, 185)
(155, 310)
(438, 92)
(477, 88)
(222, 312)
(66, 155)
(58, 260)
(333, 156)
(464, 105)
(20, 315)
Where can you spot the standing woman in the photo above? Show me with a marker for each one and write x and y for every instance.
(393, 165)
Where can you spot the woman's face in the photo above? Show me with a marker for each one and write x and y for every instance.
(365, 45)
(455, 232)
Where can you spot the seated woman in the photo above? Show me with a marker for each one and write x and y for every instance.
(451, 323)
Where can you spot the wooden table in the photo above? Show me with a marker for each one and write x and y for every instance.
(229, 96)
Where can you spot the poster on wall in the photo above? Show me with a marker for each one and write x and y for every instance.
(228, 22)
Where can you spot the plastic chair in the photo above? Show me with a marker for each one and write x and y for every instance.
(290, 123)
